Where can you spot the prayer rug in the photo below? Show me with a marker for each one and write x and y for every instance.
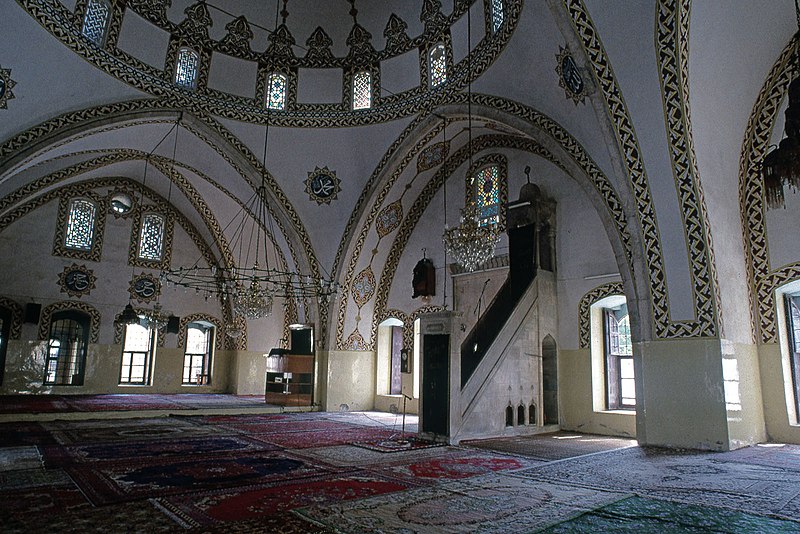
(284, 524)
(32, 478)
(23, 503)
(131, 431)
(285, 425)
(59, 455)
(323, 438)
(33, 404)
(252, 502)
(350, 455)
(708, 479)
(457, 464)
(409, 443)
(553, 446)
(127, 517)
(24, 433)
(120, 402)
(649, 516)
(118, 482)
(487, 504)
(14, 458)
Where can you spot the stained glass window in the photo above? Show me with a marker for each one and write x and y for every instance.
(362, 90)
(151, 237)
(276, 92)
(186, 68)
(497, 14)
(95, 21)
(438, 65)
(80, 225)
(487, 194)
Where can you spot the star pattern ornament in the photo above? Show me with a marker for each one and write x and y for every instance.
(569, 76)
(322, 185)
(6, 84)
(76, 280)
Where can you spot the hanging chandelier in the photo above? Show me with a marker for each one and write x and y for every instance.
(781, 167)
(473, 241)
(252, 285)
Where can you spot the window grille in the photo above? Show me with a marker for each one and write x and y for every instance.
(151, 237)
(793, 324)
(66, 350)
(186, 68)
(95, 21)
(438, 65)
(362, 90)
(137, 355)
(80, 225)
(276, 92)
(197, 358)
(620, 384)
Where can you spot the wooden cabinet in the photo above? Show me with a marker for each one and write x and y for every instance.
(290, 380)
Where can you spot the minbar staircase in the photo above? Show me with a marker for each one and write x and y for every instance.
(523, 238)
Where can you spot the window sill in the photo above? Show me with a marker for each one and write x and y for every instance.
(617, 412)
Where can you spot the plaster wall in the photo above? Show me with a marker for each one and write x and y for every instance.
(779, 414)
(350, 380)
(575, 396)
(680, 394)
(248, 372)
(25, 371)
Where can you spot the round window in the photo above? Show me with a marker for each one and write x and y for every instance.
(121, 203)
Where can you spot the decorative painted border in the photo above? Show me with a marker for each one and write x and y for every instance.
(16, 316)
(47, 315)
(584, 305)
(219, 329)
(628, 145)
(762, 279)
(119, 329)
(672, 45)
(60, 22)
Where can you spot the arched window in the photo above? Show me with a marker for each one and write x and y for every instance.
(151, 237)
(186, 68)
(66, 349)
(497, 15)
(137, 354)
(80, 224)
(437, 64)
(197, 358)
(362, 90)
(276, 91)
(487, 194)
(95, 22)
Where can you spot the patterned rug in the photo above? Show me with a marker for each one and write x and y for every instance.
(119, 482)
(111, 431)
(59, 455)
(253, 502)
(323, 438)
(409, 443)
(453, 465)
(691, 477)
(487, 504)
(10, 404)
(553, 446)
(649, 516)
(15, 458)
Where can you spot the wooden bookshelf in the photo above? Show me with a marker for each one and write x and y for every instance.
(290, 380)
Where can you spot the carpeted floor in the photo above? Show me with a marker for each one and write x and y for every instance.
(345, 472)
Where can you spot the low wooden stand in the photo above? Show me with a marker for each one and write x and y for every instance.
(290, 380)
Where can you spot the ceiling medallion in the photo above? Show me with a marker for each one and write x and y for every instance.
(569, 76)
(144, 287)
(76, 280)
(322, 185)
(6, 84)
